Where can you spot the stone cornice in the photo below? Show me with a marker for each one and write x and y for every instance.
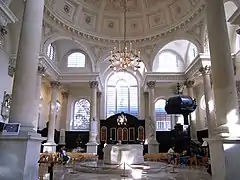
(55, 20)
(6, 15)
(51, 69)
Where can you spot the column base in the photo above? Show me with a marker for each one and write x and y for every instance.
(49, 146)
(224, 155)
(92, 147)
(153, 146)
(19, 156)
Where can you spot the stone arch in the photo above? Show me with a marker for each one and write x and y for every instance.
(57, 36)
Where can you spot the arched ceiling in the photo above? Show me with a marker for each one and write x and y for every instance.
(104, 18)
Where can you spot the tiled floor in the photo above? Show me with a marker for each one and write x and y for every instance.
(155, 171)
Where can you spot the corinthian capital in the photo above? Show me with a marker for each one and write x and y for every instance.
(55, 84)
(93, 84)
(205, 70)
(151, 84)
(41, 69)
(189, 83)
(65, 94)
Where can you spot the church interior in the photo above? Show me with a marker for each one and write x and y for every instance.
(119, 89)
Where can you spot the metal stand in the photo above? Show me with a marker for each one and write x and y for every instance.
(173, 169)
(124, 171)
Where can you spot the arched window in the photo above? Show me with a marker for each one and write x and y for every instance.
(76, 60)
(192, 52)
(163, 120)
(81, 115)
(122, 94)
(51, 52)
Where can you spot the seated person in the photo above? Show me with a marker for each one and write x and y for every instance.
(64, 156)
(171, 155)
(183, 158)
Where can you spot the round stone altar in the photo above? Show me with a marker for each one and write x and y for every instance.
(123, 153)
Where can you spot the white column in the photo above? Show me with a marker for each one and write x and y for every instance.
(153, 145)
(93, 130)
(63, 118)
(223, 152)
(192, 117)
(222, 68)
(24, 86)
(208, 94)
(20, 154)
(41, 71)
(99, 96)
(50, 145)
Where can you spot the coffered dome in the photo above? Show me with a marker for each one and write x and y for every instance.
(104, 18)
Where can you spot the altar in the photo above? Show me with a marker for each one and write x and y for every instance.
(128, 153)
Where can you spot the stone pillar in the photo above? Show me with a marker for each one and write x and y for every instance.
(153, 145)
(99, 96)
(20, 154)
(63, 118)
(208, 94)
(93, 130)
(41, 71)
(222, 69)
(192, 117)
(223, 151)
(50, 145)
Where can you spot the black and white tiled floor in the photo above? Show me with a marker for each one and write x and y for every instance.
(155, 171)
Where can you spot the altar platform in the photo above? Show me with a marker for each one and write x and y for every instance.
(123, 153)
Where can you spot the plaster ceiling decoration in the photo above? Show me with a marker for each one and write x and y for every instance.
(103, 19)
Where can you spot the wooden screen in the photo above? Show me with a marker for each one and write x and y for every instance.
(119, 134)
(104, 133)
(125, 134)
(140, 133)
(131, 134)
(113, 134)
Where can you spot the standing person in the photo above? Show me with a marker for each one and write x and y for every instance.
(171, 155)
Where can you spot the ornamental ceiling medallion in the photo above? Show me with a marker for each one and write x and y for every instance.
(102, 20)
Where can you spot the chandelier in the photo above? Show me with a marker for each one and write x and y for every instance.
(122, 119)
(125, 56)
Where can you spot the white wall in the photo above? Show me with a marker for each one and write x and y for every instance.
(5, 79)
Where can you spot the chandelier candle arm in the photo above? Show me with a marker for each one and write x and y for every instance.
(125, 57)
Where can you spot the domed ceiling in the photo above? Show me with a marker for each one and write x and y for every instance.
(104, 18)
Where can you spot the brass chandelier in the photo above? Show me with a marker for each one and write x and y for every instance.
(125, 56)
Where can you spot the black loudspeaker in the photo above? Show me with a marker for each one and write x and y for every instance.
(181, 104)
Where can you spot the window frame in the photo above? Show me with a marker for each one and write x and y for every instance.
(167, 121)
(74, 128)
(116, 92)
(51, 52)
(77, 60)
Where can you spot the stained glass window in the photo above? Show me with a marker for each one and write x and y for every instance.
(122, 94)
(51, 52)
(76, 60)
(163, 120)
(81, 115)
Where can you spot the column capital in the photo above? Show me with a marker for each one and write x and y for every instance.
(189, 83)
(65, 94)
(41, 69)
(55, 84)
(93, 84)
(151, 84)
(99, 94)
(205, 70)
